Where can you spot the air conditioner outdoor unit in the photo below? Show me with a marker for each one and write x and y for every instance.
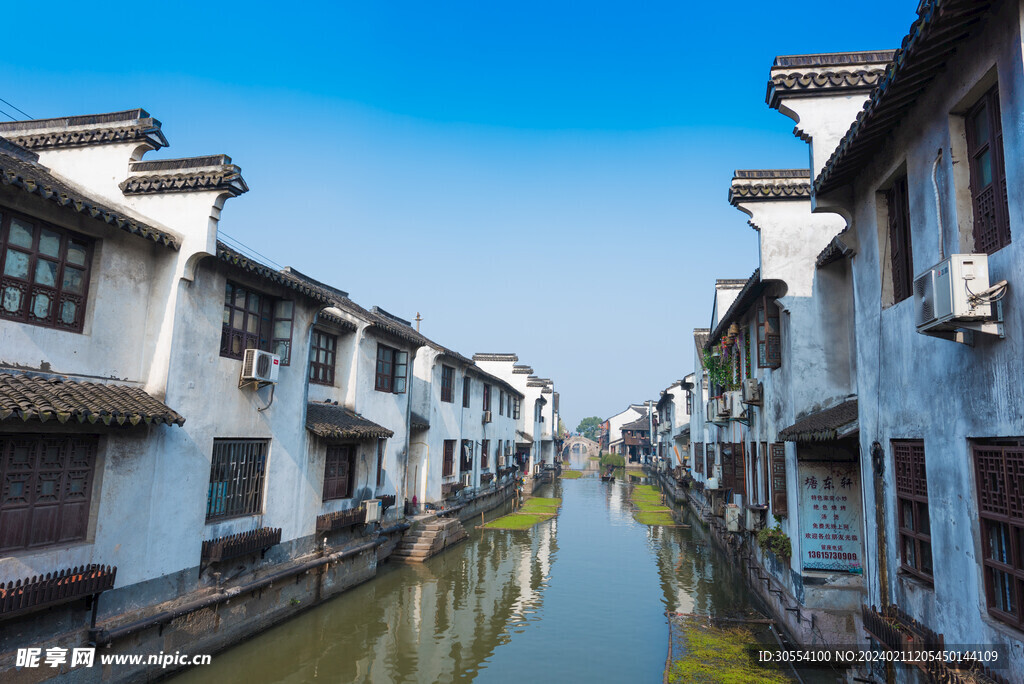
(735, 404)
(755, 519)
(712, 483)
(725, 405)
(487, 417)
(259, 366)
(712, 410)
(752, 391)
(943, 294)
(372, 510)
(467, 479)
(732, 518)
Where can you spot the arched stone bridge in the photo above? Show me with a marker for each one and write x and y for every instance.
(579, 447)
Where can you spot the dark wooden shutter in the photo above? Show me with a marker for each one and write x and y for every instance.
(728, 474)
(698, 457)
(766, 482)
(780, 503)
(739, 466)
(449, 457)
(709, 449)
(899, 240)
(338, 472)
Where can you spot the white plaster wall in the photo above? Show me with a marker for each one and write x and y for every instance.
(914, 386)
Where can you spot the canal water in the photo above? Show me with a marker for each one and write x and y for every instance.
(581, 597)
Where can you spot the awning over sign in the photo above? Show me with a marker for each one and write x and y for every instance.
(29, 397)
(832, 423)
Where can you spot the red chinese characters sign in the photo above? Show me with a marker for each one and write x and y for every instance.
(830, 516)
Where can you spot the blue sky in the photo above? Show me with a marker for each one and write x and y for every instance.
(548, 178)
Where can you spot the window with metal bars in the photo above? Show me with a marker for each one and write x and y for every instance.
(339, 471)
(448, 464)
(237, 473)
(901, 257)
(485, 447)
(999, 476)
(988, 177)
(322, 354)
(516, 407)
(392, 369)
(447, 383)
(487, 397)
(44, 273)
(45, 489)
(253, 320)
(780, 501)
(912, 508)
(709, 448)
(501, 402)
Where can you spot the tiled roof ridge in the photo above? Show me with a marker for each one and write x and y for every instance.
(738, 282)
(381, 312)
(772, 173)
(522, 370)
(235, 258)
(881, 112)
(331, 420)
(822, 425)
(15, 150)
(19, 171)
(89, 129)
(834, 58)
(498, 356)
(496, 380)
(180, 163)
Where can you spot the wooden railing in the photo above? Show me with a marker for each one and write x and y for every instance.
(51, 589)
(894, 630)
(486, 478)
(332, 522)
(242, 544)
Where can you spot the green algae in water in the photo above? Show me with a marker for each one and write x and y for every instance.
(516, 521)
(571, 474)
(712, 655)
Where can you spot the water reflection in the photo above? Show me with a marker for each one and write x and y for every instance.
(580, 597)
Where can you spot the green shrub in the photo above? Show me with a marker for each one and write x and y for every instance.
(776, 541)
(617, 460)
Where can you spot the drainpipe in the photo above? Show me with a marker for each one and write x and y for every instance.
(408, 426)
(938, 204)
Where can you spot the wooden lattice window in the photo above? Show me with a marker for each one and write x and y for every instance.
(237, 473)
(739, 468)
(709, 451)
(45, 489)
(448, 465)
(516, 407)
(698, 457)
(487, 397)
(253, 320)
(766, 477)
(447, 383)
(485, 446)
(988, 177)
(339, 471)
(44, 273)
(999, 474)
(769, 340)
(322, 354)
(392, 369)
(912, 508)
(902, 257)
(466, 391)
(780, 502)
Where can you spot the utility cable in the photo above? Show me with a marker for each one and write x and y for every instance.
(20, 111)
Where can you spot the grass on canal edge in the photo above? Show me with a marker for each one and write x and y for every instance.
(649, 509)
(535, 510)
(714, 655)
(571, 474)
(593, 458)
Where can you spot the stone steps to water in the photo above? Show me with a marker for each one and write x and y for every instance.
(429, 538)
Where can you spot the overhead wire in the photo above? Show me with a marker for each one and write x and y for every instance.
(16, 108)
